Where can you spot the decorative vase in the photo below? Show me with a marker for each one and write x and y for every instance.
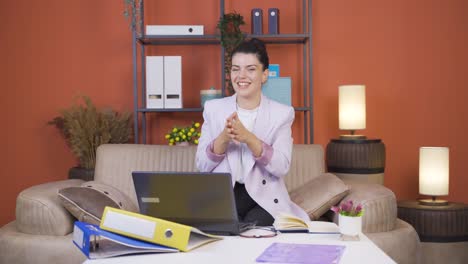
(209, 94)
(81, 173)
(350, 225)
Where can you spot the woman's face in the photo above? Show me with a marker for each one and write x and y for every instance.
(247, 75)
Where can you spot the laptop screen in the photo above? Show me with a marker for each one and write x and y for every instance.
(197, 199)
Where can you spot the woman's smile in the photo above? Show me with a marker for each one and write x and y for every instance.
(243, 84)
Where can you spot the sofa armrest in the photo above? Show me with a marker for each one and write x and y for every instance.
(379, 203)
(39, 211)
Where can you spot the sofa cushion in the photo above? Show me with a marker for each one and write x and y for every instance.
(87, 202)
(401, 243)
(19, 248)
(318, 195)
(307, 163)
(39, 211)
(116, 162)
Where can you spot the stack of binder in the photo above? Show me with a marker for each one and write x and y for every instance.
(97, 243)
(122, 232)
(163, 82)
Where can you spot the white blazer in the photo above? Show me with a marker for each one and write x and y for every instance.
(264, 182)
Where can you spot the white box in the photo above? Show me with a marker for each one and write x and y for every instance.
(278, 89)
(172, 82)
(154, 82)
(174, 30)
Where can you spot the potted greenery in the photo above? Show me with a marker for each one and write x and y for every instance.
(231, 36)
(85, 128)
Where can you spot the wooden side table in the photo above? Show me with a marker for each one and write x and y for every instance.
(443, 230)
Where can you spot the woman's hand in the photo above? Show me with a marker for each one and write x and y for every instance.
(223, 139)
(238, 133)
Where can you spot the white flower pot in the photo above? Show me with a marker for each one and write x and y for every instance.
(350, 225)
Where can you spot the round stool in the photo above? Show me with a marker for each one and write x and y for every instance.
(443, 230)
(359, 160)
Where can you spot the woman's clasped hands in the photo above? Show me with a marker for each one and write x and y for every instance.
(235, 130)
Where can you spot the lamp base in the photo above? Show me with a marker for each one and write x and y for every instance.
(433, 202)
(352, 137)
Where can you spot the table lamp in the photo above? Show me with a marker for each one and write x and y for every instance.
(355, 157)
(352, 109)
(433, 174)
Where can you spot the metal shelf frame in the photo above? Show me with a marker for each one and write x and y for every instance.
(305, 39)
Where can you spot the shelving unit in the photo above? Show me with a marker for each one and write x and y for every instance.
(305, 39)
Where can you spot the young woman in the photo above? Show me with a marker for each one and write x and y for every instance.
(249, 136)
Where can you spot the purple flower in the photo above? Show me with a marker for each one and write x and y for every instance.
(347, 208)
(358, 208)
(335, 209)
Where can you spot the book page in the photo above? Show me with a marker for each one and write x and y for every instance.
(286, 222)
(111, 248)
(289, 222)
(323, 227)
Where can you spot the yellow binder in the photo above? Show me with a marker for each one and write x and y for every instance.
(154, 230)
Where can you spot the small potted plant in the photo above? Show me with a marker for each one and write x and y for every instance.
(184, 136)
(231, 36)
(349, 218)
(85, 128)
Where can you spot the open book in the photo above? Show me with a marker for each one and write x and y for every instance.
(286, 223)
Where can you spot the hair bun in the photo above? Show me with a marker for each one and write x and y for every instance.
(258, 43)
(254, 46)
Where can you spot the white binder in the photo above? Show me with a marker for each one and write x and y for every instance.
(172, 82)
(154, 82)
(174, 30)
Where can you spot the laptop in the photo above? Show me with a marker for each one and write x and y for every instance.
(199, 199)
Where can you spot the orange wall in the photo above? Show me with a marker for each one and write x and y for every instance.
(410, 54)
(412, 57)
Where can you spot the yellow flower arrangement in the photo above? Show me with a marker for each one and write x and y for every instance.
(189, 134)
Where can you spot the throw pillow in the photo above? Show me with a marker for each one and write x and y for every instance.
(318, 195)
(87, 202)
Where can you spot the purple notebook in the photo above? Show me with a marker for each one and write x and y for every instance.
(301, 253)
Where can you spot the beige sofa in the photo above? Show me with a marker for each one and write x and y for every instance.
(42, 230)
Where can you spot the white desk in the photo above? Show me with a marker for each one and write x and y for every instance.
(236, 250)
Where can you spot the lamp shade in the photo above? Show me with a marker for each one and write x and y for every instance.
(352, 107)
(434, 171)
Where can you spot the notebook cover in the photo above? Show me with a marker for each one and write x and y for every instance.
(302, 253)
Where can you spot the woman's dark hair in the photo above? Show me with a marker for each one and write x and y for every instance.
(254, 46)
